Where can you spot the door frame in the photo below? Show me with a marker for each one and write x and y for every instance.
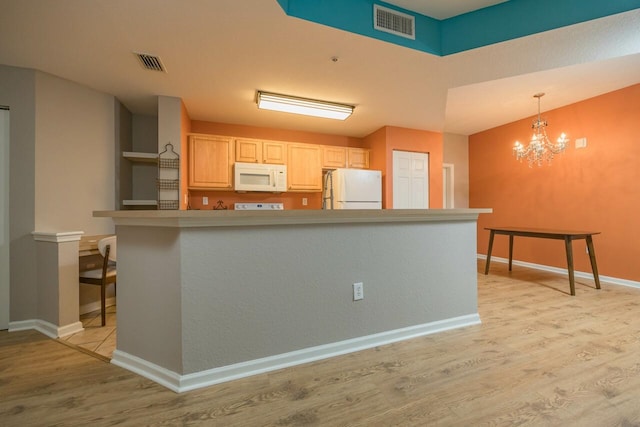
(448, 193)
(5, 241)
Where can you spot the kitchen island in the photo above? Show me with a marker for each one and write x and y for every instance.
(211, 296)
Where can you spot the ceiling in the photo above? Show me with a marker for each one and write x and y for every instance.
(218, 53)
(443, 9)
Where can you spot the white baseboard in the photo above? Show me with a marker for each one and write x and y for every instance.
(181, 383)
(46, 328)
(577, 274)
(95, 305)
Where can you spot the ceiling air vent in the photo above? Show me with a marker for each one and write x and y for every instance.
(394, 22)
(150, 62)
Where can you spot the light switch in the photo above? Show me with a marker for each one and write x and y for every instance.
(581, 143)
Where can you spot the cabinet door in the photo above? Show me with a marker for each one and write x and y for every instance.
(210, 162)
(248, 150)
(274, 152)
(304, 168)
(358, 158)
(334, 157)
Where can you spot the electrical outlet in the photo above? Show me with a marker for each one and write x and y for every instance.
(304, 201)
(358, 291)
(205, 200)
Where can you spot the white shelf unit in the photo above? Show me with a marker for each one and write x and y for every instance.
(142, 158)
(135, 156)
(140, 202)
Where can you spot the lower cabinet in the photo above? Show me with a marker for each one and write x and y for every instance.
(304, 167)
(210, 162)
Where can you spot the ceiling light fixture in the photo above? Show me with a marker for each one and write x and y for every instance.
(540, 148)
(308, 107)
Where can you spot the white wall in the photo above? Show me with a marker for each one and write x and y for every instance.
(75, 155)
(456, 152)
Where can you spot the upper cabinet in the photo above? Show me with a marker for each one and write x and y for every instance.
(344, 157)
(358, 158)
(334, 157)
(304, 167)
(210, 162)
(256, 151)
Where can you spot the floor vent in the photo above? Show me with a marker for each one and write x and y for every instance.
(394, 22)
(150, 62)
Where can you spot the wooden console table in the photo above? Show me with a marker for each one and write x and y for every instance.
(567, 236)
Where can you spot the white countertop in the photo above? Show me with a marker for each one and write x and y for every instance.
(232, 218)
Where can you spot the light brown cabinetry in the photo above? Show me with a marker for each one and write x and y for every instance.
(256, 151)
(334, 157)
(210, 162)
(358, 158)
(304, 170)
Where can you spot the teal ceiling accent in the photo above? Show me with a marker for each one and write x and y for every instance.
(520, 18)
(356, 16)
(495, 24)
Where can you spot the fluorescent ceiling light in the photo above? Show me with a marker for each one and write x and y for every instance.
(307, 107)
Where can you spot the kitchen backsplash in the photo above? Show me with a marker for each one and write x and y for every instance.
(229, 198)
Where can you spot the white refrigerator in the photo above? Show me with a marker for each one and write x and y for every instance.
(353, 189)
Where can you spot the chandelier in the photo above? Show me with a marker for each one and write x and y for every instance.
(540, 148)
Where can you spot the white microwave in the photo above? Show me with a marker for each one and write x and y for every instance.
(260, 177)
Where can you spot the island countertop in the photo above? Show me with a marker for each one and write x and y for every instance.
(230, 218)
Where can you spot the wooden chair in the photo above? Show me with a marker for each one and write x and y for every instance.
(105, 275)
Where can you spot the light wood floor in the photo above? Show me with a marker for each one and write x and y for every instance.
(540, 357)
(96, 338)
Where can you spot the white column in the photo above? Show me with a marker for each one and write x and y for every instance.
(58, 288)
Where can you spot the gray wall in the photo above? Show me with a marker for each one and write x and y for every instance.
(456, 152)
(199, 298)
(124, 168)
(61, 170)
(4, 218)
(18, 91)
(145, 140)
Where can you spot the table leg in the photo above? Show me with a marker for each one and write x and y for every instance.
(510, 250)
(572, 285)
(486, 266)
(592, 258)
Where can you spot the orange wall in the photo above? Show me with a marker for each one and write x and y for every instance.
(392, 138)
(594, 188)
(274, 134)
(291, 200)
(381, 143)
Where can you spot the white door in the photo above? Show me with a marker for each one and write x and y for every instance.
(4, 218)
(447, 190)
(410, 180)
